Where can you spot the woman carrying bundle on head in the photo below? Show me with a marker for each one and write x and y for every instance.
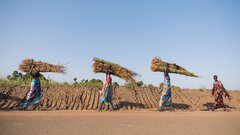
(106, 92)
(34, 94)
(166, 97)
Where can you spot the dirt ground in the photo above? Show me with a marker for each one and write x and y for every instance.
(124, 98)
(71, 110)
(141, 122)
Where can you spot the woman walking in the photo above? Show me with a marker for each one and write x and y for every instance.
(166, 97)
(218, 91)
(106, 92)
(34, 94)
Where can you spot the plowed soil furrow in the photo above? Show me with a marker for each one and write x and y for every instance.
(73, 104)
(139, 101)
(88, 98)
(151, 97)
(135, 101)
(96, 105)
(144, 97)
(57, 101)
(81, 100)
(84, 98)
(155, 95)
(139, 92)
(148, 98)
(6, 97)
(8, 103)
(59, 106)
(71, 101)
(124, 98)
(77, 102)
(93, 99)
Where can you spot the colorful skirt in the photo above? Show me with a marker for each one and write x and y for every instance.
(166, 97)
(32, 100)
(107, 94)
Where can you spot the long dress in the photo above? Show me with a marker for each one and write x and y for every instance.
(218, 92)
(166, 97)
(106, 92)
(34, 94)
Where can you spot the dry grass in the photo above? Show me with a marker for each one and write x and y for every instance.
(40, 66)
(159, 65)
(101, 66)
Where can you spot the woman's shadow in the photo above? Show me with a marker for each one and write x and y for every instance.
(210, 105)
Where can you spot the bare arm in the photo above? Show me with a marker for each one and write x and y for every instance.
(32, 66)
(166, 70)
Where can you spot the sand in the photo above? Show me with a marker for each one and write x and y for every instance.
(141, 122)
(71, 110)
(124, 98)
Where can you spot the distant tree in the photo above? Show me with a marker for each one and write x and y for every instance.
(175, 87)
(20, 75)
(65, 83)
(15, 74)
(128, 84)
(115, 84)
(74, 79)
(9, 77)
(161, 85)
(150, 85)
(139, 83)
(92, 82)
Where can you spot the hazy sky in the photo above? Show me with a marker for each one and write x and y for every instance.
(202, 36)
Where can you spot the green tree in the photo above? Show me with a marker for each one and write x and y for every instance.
(161, 85)
(139, 83)
(128, 84)
(150, 85)
(75, 79)
(65, 83)
(9, 77)
(115, 84)
(15, 74)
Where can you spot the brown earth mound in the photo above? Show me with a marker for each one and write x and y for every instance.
(124, 98)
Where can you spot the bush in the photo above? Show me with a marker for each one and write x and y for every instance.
(17, 78)
(161, 85)
(65, 83)
(139, 83)
(115, 84)
(150, 85)
(92, 82)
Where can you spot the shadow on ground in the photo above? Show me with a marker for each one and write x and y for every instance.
(210, 105)
(124, 104)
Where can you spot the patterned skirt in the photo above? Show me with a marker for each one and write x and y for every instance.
(166, 97)
(107, 94)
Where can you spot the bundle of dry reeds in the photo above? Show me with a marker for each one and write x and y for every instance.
(101, 66)
(159, 65)
(40, 66)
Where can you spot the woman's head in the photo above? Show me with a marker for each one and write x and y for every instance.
(215, 77)
(36, 75)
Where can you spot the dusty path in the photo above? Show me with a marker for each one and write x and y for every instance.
(143, 122)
